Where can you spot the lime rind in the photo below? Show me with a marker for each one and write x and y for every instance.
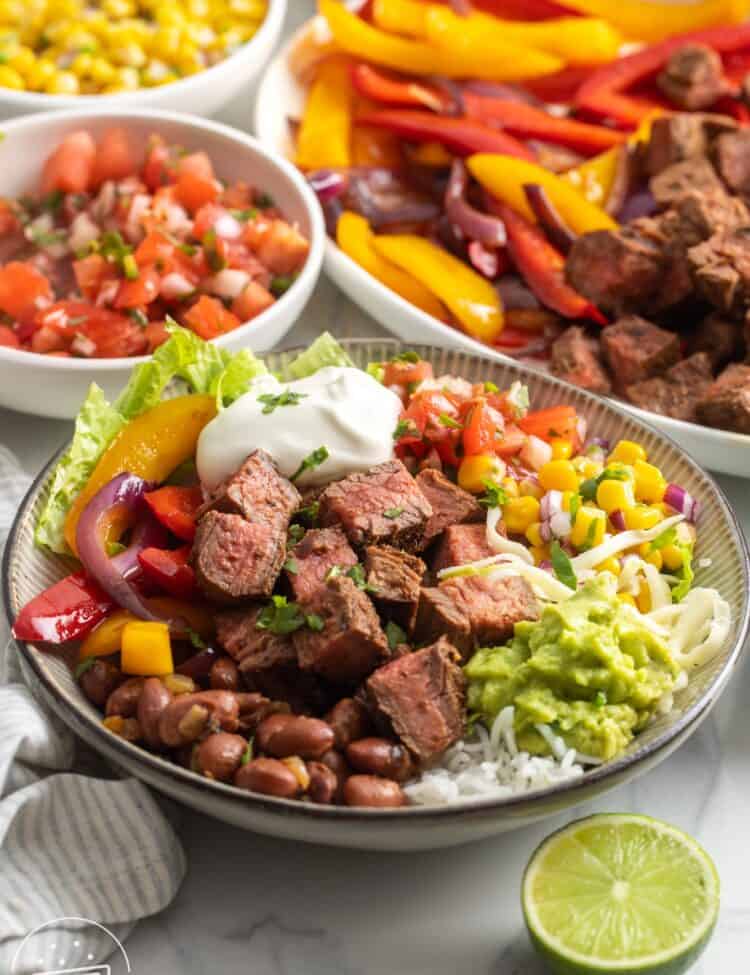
(591, 898)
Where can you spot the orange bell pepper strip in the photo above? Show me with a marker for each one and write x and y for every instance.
(654, 21)
(146, 649)
(355, 238)
(504, 177)
(505, 62)
(324, 134)
(151, 446)
(471, 298)
(106, 639)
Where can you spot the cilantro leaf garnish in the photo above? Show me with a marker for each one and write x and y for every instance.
(393, 512)
(280, 616)
(319, 456)
(394, 634)
(562, 566)
(448, 421)
(494, 496)
(286, 398)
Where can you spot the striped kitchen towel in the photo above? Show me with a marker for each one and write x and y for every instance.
(82, 859)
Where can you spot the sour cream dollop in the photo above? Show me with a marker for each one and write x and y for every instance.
(340, 408)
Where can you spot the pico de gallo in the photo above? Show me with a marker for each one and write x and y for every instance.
(113, 243)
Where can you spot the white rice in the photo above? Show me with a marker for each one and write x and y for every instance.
(490, 764)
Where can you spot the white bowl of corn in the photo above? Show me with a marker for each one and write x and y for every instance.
(189, 55)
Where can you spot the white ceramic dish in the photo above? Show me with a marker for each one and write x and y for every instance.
(26, 571)
(280, 97)
(201, 94)
(55, 387)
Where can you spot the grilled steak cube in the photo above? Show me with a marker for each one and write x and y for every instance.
(394, 578)
(720, 269)
(576, 358)
(636, 349)
(258, 652)
(451, 505)
(439, 614)
(258, 492)
(676, 393)
(422, 697)
(313, 557)
(236, 559)
(351, 643)
(697, 215)
(732, 151)
(726, 402)
(461, 544)
(683, 177)
(383, 505)
(673, 139)
(718, 337)
(693, 77)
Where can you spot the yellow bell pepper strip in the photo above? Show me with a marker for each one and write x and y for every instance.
(150, 446)
(310, 45)
(472, 299)
(107, 637)
(401, 17)
(575, 40)
(506, 62)
(324, 134)
(654, 21)
(595, 177)
(505, 177)
(146, 650)
(355, 238)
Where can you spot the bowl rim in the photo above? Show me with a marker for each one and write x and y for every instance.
(307, 277)
(337, 263)
(578, 788)
(268, 31)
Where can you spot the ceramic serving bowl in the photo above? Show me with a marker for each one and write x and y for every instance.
(26, 571)
(55, 387)
(203, 93)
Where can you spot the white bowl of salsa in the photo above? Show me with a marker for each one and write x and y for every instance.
(252, 246)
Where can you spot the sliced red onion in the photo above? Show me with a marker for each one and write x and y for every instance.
(597, 442)
(124, 492)
(383, 198)
(327, 183)
(228, 227)
(546, 565)
(618, 520)
(148, 533)
(474, 224)
(560, 525)
(550, 505)
(515, 293)
(484, 259)
(559, 233)
(679, 499)
(496, 89)
(545, 532)
(535, 452)
(332, 210)
(641, 204)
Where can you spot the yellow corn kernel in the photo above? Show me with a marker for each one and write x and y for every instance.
(609, 565)
(588, 530)
(558, 475)
(591, 468)
(519, 513)
(63, 83)
(22, 61)
(534, 534)
(642, 517)
(540, 553)
(130, 55)
(510, 486)
(102, 72)
(474, 471)
(614, 495)
(643, 599)
(627, 452)
(128, 78)
(146, 649)
(10, 78)
(530, 489)
(671, 557)
(650, 484)
(625, 597)
(40, 74)
(655, 558)
(561, 449)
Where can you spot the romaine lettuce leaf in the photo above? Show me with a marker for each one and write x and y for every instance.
(236, 377)
(685, 573)
(325, 351)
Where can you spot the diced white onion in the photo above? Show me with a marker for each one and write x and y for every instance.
(105, 201)
(536, 452)
(140, 206)
(174, 286)
(227, 283)
(82, 231)
(228, 227)
(559, 524)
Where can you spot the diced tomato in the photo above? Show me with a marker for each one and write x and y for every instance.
(71, 165)
(49, 339)
(205, 219)
(209, 318)
(9, 222)
(511, 441)
(238, 196)
(156, 249)
(176, 508)
(251, 301)
(8, 338)
(91, 272)
(480, 432)
(193, 191)
(114, 335)
(283, 249)
(140, 291)
(155, 169)
(156, 334)
(557, 422)
(115, 158)
(195, 164)
(169, 570)
(239, 257)
(400, 373)
(23, 290)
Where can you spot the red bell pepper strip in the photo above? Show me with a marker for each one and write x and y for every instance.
(169, 570)
(392, 90)
(525, 9)
(603, 93)
(176, 508)
(527, 122)
(542, 266)
(65, 611)
(561, 86)
(461, 135)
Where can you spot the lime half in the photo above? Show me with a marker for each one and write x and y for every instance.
(620, 893)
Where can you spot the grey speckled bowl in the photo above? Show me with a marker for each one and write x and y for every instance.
(26, 571)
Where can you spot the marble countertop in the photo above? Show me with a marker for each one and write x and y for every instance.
(251, 905)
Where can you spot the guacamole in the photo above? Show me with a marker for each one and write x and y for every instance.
(588, 668)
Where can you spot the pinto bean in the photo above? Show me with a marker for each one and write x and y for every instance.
(124, 699)
(99, 681)
(186, 717)
(282, 735)
(379, 756)
(219, 756)
(254, 708)
(323, 787)
(268, 776)
(224, 675)
(369, 790)
(349, 720)
(151, 704)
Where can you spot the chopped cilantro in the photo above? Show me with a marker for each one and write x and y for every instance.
(291, 566)
(295, 534)
(562, 566)
(52, 202)
(491, 388)
(114, 548)
(215, 260)
(407, 356)
(394, 634)
(448, 421)
(393, 512)
(310, 512)
(357, 574)
(196, 639)
(248, 753)
(48, 238)
(83, 666)
(265, 200)
(402, 427)
(287, 398)
(244, 215)
(333, 572)
(281, 283)
(319, 456)
(600, 699)
(279, 616)
(315, 622)
(138, 316)
(129, 267)
(494, 496)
